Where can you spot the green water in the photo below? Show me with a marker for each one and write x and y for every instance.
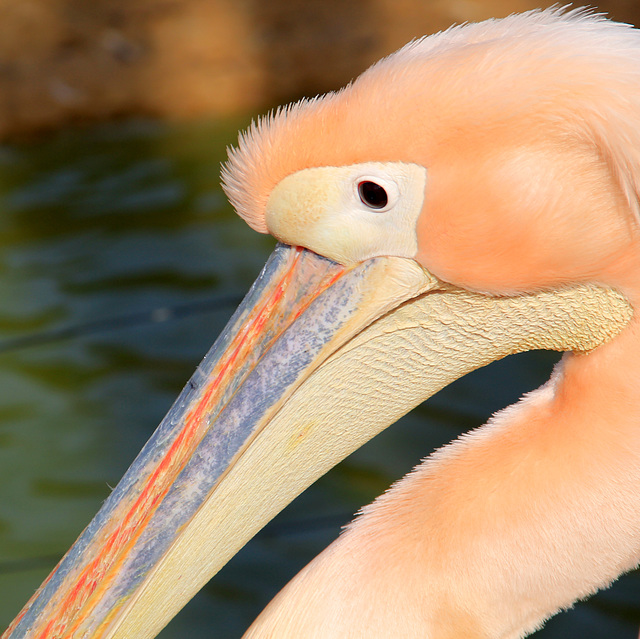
(120, 263)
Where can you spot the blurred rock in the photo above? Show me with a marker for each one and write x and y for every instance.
(65, 61)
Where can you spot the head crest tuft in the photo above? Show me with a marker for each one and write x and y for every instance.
(572, 69)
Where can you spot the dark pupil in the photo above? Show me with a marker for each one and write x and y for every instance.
(373, 195)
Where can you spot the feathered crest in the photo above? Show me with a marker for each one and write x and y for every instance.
(574, 68)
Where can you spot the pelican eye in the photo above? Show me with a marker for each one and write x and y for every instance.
(373, 195)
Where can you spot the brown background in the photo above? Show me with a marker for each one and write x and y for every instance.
(64, 61)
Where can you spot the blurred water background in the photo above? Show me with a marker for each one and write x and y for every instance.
(120, 262)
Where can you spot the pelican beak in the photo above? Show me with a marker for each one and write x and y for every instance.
(300, 310)
(316, 360)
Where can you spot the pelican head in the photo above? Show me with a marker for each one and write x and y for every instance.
(473, 195)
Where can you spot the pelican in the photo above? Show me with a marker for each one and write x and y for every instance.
(473, 195)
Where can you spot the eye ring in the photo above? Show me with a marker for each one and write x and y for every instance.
(372, 194)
